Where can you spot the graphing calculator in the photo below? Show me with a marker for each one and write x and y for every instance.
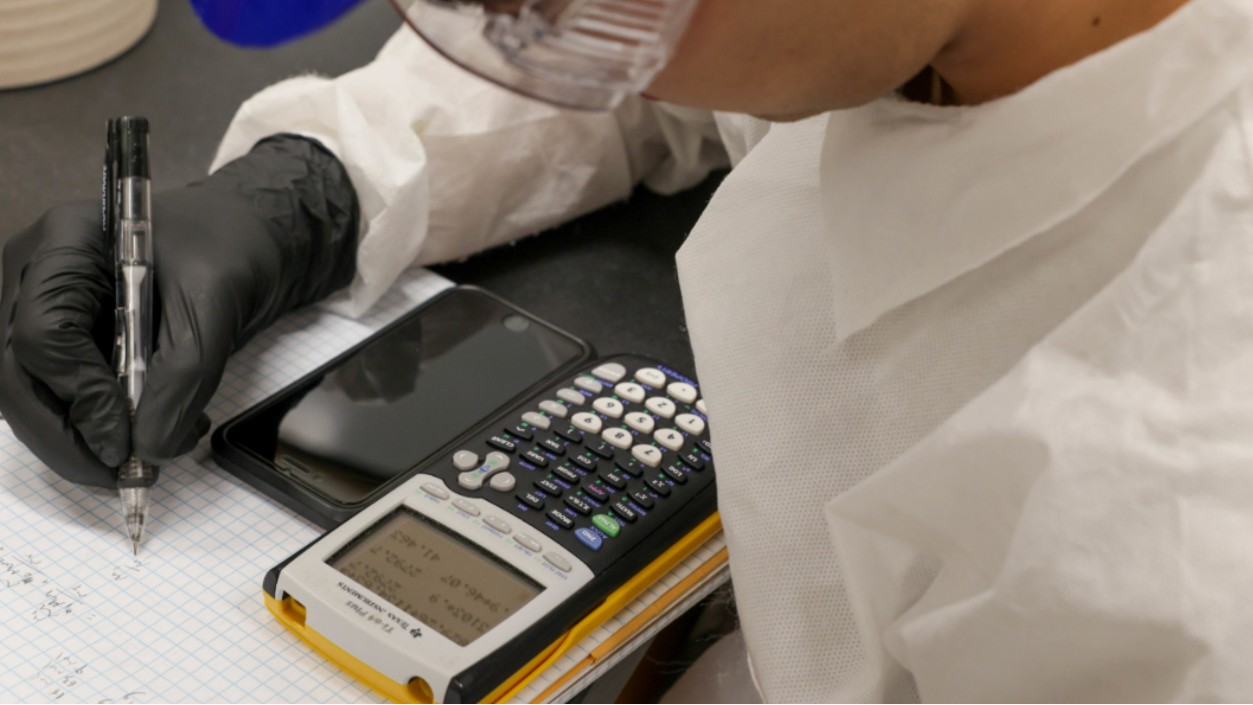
(458, 583)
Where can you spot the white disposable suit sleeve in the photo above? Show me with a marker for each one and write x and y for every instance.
(446, 164)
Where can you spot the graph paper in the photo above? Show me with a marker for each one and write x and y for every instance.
(82, 620)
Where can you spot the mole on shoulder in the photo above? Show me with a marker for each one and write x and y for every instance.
(1096, 21)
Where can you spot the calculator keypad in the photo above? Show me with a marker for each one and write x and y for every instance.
(608, 406)
(571, 396)
(554, 408)
(660, 406)
(611, 372)
(586, 421)
(691, 423)
(651, 376)
(641, 421)
(536, 419)
(591, 384)
(630, 391)
(598, 461)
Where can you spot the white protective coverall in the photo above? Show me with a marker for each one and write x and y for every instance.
(980, 379)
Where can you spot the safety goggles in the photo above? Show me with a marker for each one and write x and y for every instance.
(585, 54)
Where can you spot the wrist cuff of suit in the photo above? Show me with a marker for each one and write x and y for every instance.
(305, 197)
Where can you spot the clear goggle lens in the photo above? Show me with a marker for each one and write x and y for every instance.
(585, 54)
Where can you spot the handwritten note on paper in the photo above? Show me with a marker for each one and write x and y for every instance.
(83, 620)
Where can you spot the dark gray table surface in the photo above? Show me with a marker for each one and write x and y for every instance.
(608, 278)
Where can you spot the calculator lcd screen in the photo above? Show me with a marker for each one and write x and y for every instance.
(435, 576)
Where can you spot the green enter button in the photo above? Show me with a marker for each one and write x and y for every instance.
(607, 524)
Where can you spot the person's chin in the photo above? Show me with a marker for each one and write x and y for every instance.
(787, 116)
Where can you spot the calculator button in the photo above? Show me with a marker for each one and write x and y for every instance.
(661, 406)
(549, 486)
(630, 466)
(705, 445)
(590, 384)
(531, 500)
(588, 537)
(465, 460)
(527, 542)
(557, 561)
(659, 486)
(498, 524)
(573, 396)
(648, 455)
(566, 473)
(536, 419)
(651, 376)
(600, 447)
(466, 507)
(578, 505)
(473, 479)
(642, 498)
(669, 438)
(618, 437)
(700, 406)
(609, 407)
(434, 490)
(675, 472)
(554, 446)
(503, 482)
(596, 491)
(554, 408)
(693, 459)
(611, 372)
(587, 422)
(587, 461)
(691, 423)
(630, 391)
(624, 512)
(560, 518)
(539, 460)
(502, 443)
(682, 391)
(640, 421)
(572, 433)
(607, 524)
(521, 430)
(616, 480)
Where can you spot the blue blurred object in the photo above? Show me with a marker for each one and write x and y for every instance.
(267, 23)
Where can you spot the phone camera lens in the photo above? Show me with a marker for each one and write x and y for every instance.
(516, 323)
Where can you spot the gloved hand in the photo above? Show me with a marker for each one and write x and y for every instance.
(271, 231)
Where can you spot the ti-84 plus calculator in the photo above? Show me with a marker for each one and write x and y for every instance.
(457, 584)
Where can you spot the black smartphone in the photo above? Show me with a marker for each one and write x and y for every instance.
(335, 440)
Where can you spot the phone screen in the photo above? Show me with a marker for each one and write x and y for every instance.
(392, 403)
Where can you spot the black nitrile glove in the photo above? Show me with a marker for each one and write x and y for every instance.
(269, 232)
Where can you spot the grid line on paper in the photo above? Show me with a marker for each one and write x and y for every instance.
(185, 622)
